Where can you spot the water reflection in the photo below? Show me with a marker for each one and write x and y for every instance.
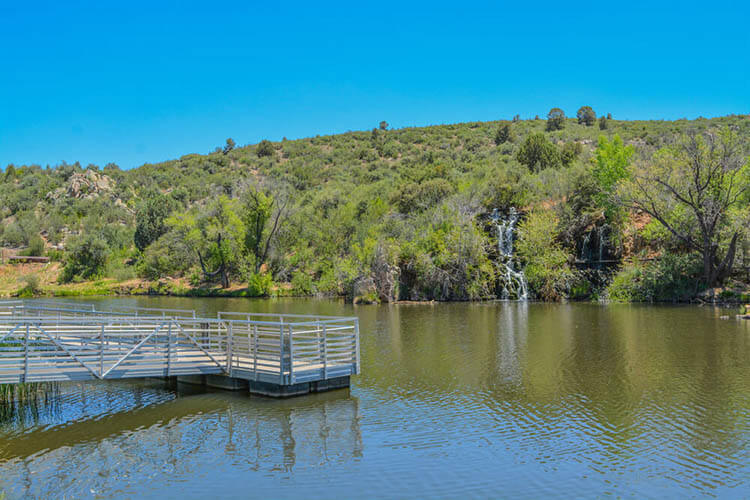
(98, 437)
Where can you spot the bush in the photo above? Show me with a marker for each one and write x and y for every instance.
(265, 148)
(504, 134)
(547, 270)
(14, 235)
(414, 197)
(537, 153)
(32, 287)
(85, 259)
(671, 278)
(259, 284)
(167, 256)
(36, 246)
(570, 153)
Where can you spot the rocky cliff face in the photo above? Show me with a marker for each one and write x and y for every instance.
(85, 185)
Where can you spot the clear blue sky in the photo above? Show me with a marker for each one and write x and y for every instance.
(134, 82)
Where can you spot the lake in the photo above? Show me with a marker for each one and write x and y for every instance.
(461, 400)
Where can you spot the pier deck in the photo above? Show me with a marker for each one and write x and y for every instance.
(277, 355)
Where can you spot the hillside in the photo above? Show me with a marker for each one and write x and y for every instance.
(385, 214)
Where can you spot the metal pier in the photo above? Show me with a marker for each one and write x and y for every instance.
(274, 355)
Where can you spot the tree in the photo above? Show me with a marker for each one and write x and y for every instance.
(150, 219)
(611, 167)
(537, 153)
(215, 234)
(516, 118)
(693, 189)
(603, 123)
(264, 215)
(383, 125)
(10, 173)
(229, 145)
(265, 148)
(555, 119)
(586, 116)
(504, 133)
(85, 259)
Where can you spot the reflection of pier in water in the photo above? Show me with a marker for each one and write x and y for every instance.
(177, 436)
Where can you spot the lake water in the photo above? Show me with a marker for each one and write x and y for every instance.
(489, 400)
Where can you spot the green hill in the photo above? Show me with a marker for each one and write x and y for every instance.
(380, 215)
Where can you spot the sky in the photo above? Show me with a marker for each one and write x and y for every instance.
(137, 82)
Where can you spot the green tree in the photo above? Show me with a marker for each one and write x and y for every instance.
(265, 148)
(612, 159)
(603, 123)
(383, 125)
(586, 116)
(229, 145)
(85, 258)
(695, 189)
(555, 119)
(264, 215)
(10, 173)
(504, 133)
(150, 219)
(538, 153)
(216, 236)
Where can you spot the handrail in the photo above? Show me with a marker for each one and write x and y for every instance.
(45, 340)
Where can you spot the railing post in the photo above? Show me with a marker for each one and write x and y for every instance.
(255, 350)
(169, 350)
(281, 354)
(230, 349)
(101, 352)
(356, 344)
(26, 354)
(291, 356)
(324, 354)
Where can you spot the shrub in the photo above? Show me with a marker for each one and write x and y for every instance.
(504, 134)
(259, 284)
(36, 246)
(671, 278)
(537, 153)
(414, 197)
(570, 153)
(85, 259)
(547, 269)
(265, 148)
(32, 286)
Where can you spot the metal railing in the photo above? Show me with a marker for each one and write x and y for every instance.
(47, 341)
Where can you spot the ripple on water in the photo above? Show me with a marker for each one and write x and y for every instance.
(461, 401)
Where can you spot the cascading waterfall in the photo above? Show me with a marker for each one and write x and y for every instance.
(514, 285)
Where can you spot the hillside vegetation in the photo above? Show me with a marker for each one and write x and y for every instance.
(405, 214)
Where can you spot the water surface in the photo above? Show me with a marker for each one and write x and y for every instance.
(454, 401)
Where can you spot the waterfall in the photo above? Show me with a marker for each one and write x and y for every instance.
(514, 285)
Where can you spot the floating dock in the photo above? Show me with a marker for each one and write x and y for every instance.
(276, 355)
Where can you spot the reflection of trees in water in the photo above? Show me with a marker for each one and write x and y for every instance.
(181, 438)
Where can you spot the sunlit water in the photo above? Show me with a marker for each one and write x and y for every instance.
(487, 400)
